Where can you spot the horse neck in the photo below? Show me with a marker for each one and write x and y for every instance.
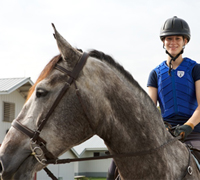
(129, 122)
(132, 120)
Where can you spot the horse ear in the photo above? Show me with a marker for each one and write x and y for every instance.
(68, 53)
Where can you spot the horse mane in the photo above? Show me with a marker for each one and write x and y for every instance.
(93, 53)
(48, 68)
(104, 57)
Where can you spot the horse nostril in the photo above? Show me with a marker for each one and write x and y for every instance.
(1, 168)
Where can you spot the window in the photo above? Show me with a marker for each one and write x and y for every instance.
(96, 154)
(9, 111)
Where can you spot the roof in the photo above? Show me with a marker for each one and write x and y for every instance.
(74, 152)
(93, 144)
(8, 85)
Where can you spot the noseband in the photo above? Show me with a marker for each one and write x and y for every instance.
(37, 144)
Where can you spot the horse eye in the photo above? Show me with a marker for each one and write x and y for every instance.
(41, 92)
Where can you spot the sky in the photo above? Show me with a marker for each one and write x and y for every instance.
(127, 30)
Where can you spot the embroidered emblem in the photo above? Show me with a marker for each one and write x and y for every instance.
(180, 73)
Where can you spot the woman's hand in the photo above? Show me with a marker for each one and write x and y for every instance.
(184, 130)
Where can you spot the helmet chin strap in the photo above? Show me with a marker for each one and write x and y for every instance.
(173, 59)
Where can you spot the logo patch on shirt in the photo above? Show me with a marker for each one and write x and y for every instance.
(180, 73)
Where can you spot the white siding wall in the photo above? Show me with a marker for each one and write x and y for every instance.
(19, 101)
(94, 166)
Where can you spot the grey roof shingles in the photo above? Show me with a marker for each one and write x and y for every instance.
(8, 85)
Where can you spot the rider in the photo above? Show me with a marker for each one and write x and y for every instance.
(175, 83)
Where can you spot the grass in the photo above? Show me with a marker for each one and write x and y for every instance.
(93, 178)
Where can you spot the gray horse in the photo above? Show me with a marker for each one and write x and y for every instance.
(112, 106)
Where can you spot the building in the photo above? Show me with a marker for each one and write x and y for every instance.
(92, 148)
(61, 171)
(93, 168)
(13, 93)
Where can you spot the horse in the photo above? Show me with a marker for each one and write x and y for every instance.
(99, 98)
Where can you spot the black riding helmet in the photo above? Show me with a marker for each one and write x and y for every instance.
(175, 26)
(171, 27)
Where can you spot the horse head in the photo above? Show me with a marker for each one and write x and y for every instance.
(67, 126)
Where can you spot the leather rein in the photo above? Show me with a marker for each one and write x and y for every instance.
(38, 144)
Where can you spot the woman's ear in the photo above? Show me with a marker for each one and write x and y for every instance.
(185, 40)
(163, 43)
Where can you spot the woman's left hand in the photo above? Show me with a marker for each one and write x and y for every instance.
(183, 130)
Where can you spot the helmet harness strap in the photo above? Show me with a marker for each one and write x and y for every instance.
(173, 58)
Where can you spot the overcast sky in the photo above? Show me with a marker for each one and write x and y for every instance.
(128, 30)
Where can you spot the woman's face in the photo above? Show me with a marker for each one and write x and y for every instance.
(174, 44)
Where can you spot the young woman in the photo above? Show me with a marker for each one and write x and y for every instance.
(175, 83)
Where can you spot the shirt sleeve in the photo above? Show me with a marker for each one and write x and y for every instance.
(196, 72)
(152, 81)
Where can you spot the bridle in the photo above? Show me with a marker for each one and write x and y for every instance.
(38, 144)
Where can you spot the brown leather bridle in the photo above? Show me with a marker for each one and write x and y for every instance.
(38, 144)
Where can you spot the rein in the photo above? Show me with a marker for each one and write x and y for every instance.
(38, 145)
(189, 169)
(131, 154)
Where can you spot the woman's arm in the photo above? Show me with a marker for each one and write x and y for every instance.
(152, 91)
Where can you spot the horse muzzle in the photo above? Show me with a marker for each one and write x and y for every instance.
(3, 174)
(23, 171)
(1, 169)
